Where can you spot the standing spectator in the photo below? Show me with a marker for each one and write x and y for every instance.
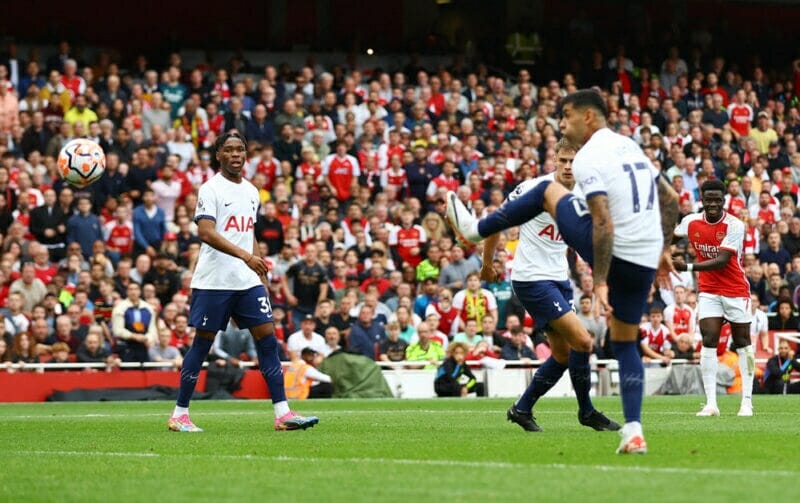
(763, 134)
(133, 323)
(740, 114)
(173, 91)
(286, 147)
(310, 285)
(407, 239)
(84, 228)
(167, 189)
(156, 114)
(455, 273)
(48, 225)
(269, 229)
(149, 225)
(474, 302)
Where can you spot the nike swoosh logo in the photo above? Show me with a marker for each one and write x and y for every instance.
(228, 204)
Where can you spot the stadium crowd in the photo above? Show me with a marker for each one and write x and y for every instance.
(352, 165)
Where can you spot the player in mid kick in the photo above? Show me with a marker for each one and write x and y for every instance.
(540, 279)
(226, 211)
(724, 292)
(617, 233)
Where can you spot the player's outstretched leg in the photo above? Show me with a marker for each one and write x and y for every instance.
(270, 365)
(190, 371)
(514, 212)
(581, 377)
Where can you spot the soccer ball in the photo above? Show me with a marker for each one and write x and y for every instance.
(81, 162)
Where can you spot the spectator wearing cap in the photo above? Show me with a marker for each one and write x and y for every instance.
(303, 380)
(306, 337)
(777, 159)
(763, 134)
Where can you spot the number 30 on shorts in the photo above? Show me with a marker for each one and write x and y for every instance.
(266, 307)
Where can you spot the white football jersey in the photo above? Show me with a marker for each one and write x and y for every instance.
(541, 253)
(615, 165)
(232, 206)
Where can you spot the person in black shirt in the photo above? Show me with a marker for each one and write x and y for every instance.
(310, 285)
(165, 280)
(269, 229)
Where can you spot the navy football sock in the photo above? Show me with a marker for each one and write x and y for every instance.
(631, 379)
(270, 365)
(190, 370)
(516, 212)
(580, 374)
(545, 378)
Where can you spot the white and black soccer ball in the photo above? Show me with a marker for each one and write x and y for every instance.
(81, 162)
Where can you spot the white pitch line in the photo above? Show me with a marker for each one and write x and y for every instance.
(57, 417)
(429, 462)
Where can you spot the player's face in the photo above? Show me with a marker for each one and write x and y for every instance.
(573, 124)
(231, 157)
(564, 168)
(712, 204)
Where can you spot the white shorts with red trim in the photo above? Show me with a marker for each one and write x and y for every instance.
(733, 309)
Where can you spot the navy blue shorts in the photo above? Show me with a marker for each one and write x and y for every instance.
(211, 309)
(628, 284)
(544, 300)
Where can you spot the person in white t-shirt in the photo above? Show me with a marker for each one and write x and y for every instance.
(226, 211)
(306, 337)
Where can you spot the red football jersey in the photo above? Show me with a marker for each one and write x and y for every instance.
(407, 239)
(341, 171)
(741, 116)
(707, 239)
(120, 237)
(656, 338)
(680, 317)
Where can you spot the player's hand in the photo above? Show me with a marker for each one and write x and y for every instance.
(488, 274)
(679, 263)
(664, 271)
(601, 299)
(257, 265)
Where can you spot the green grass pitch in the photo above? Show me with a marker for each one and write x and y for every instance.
(394, 450)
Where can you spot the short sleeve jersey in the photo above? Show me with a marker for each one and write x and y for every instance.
(656, 338)
(615, 165)
(708, 239)
(541, 253)
(232, 207)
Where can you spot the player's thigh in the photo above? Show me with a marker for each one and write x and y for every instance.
(210, 310)
(571, 330)
(252, 308)
(711, 313)
(575, 225)
(628, 287)
(544, 300)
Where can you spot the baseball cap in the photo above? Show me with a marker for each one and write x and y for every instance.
(308, 317)
(763, 114)
(170, 236)
(787, 170)
(308, 352)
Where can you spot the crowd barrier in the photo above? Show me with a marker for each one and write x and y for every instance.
(36, 382)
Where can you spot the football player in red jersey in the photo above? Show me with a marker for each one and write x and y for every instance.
(717, 238)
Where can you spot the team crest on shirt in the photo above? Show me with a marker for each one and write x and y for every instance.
(720, 236)
(697, 234)
(200, 204)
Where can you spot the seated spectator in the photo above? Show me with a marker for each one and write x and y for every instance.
(5, 356)
(785, 319)
(306, 337)
(515, 348)
(470, 336)
(93, 351)
(59, 353)
(483, 356)
(454, 377)
(684, 349)
(392, 348)
(133, 323)
(333, 339)
(425, 349)
(779, 370)
(655, 338)
(164, 352)
(365, 333)
(23, 350)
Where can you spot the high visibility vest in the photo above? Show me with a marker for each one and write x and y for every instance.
(294, 381)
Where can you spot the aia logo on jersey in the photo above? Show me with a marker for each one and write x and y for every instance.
(239, 224)
(551, 233)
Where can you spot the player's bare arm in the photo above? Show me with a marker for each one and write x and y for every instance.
(714, 264)
(602, 244)
(489, 245)
(209, 235)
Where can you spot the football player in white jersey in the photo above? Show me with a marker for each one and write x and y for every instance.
(222, 288)
(615, 230)
(540, 279)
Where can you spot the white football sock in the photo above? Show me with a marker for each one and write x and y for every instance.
(708, 367)
(281, 408)
(747, 366)
(179, 411)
